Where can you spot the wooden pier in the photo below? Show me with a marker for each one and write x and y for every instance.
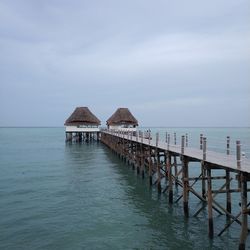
(163, 162)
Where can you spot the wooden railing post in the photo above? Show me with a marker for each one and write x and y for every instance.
(238, 154)
(182, 144)
(201, 141)
(157, 139)
(168, 140)
(204, 147)
(149, 137)
(228, 145)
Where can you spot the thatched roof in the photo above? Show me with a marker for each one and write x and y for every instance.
(122, 116)
(82, 116)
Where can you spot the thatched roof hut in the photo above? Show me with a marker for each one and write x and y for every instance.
(122, 116)
(82, 116)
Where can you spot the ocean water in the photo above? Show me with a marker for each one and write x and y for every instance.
(55, 195)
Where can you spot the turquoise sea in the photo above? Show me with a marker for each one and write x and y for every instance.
(55, 195)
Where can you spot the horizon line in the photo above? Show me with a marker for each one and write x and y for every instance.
(138, 126)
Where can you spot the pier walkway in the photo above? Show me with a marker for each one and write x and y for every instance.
(170, 162)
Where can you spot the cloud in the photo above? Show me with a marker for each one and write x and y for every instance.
(139, 54)
(169, 51)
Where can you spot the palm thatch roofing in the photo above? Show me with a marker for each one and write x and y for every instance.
(82, 116)
(122, 116)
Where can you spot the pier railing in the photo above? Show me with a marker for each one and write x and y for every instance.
(233, 156)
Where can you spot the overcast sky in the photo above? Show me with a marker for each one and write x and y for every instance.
(172, 63)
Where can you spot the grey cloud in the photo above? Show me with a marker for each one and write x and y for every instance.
(159, 56)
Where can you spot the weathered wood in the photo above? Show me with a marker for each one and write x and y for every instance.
(226, 212)
(157, 159)
(244, 215)
(190, 186)
(182, 144)
(185, 186)
(157, 139)
(170, 179)
(203, 183)
(201, 140)
(175, 170)
(143, 163)
(228, 145)
(204, 148)
(209, 201)
(238, 154)
(150, 171)
(235, 190)
(158, 173)
(232, 221)
(165, 170)
(205, 178)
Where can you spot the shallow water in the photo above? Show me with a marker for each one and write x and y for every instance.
(69, 196)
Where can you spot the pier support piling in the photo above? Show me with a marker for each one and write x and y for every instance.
(209, 204)
(185, 182)
(158, 173)
(244, 214)
(150, 169)
(170, 179)
(160, 161)
(228, 193)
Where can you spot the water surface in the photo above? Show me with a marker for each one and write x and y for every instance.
(69, 196)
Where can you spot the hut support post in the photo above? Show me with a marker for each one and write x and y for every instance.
(68, 136)
(244, 229)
